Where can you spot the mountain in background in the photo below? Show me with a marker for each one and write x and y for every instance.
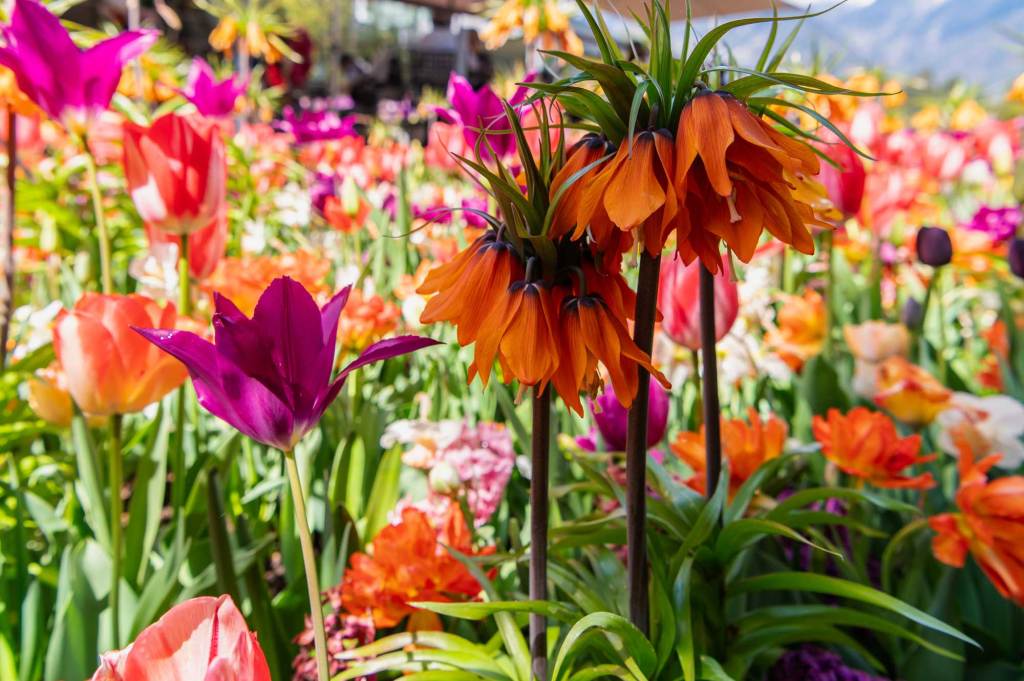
(941, 39)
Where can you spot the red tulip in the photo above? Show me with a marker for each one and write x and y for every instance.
(202, 639)
(679, 301)
(176, 172)
(845, 184)
(205, 246)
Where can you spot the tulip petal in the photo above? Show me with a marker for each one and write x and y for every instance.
(288, 317)
(378, 352)
(226, 391)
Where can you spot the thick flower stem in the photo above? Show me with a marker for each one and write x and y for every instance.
(106, 278)
(636, 446)
(830, 315)
(539, 459)
(712, 411)
(309, 564)
(184, 293)
(7, 240)
(116, 510)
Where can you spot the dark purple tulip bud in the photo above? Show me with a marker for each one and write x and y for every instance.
(913, 313)
(1016, 257)
(934, 246)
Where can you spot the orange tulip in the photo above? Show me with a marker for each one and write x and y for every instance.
(910, 393)
(366, 319)
(408, 562)
(865, 444)
(989, 525)
(801, 328)
(242, 280)
(745, 447)
(109, 368)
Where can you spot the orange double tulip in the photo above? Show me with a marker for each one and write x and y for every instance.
(108, 368)
(989, 525)
(865, 444)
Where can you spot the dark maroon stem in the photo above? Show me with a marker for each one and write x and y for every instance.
(7, 238)
(636, 446)
(712, 412)
(539, 456)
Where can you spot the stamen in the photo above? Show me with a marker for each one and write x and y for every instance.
(734, 215)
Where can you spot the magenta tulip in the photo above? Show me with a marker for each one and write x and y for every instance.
(316, 126)
(481, 116)
(212, 97)
(679, 301)
(73, 86)
(611, 417)
(270, 376)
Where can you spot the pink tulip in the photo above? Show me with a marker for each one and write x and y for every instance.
(679, 302)
(845, 184)
(202, 639)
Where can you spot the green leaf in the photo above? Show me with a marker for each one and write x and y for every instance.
(710, 670)
(820, 386)
(709, 516)
(805, 497)
(147, 501)
(741, 500)
(822, 584)
(632, 646)
(480, 610)
(91, 495)
(384, 493)
(741, 534)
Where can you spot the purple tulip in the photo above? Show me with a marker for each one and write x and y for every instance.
(480, 113)
(611, 417)
(323, 186)
(210, 96)
(811, 663)
(1015, 256)
(316, 126)
(270, 376)
(934, 247)
(71, 85)
(999, 223)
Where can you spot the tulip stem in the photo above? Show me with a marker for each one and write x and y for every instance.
(636, 446)
(7, 241)
(540, 446)
(184, 294)
(309, 564)
(712, 411)
(116, 510)
(830, 317)
(106, 279)
(698, 403)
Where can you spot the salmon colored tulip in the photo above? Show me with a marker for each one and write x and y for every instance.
(109, 368)
(202, 639)
(679, 301)
(910, 393)
(871, 343)
(989, 525)
(801, 330)
(176, 171)
(865, 444)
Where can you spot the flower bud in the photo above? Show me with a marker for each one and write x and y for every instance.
(913, 313)
(1015, 256)
(934, 246)
(444, 479)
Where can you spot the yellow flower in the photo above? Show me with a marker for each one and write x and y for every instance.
(968, 115)
(1016, 92)
(910, 393)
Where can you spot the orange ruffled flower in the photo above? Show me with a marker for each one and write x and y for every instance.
(910, 393)
(989, 525)
(737, 176)
(408, 562)
(242, 280)
(745, 446)
(865, 444)
(366, 319)
(800, 330)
